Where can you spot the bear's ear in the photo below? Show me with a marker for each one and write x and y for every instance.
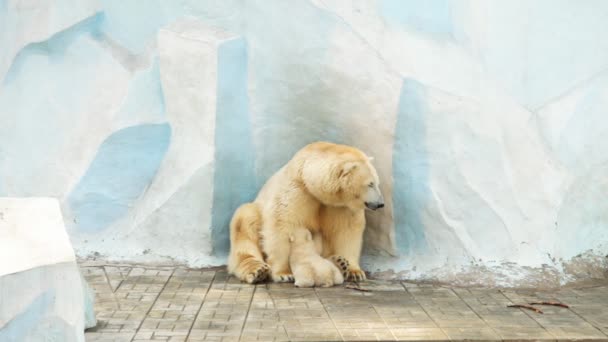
(347, 168)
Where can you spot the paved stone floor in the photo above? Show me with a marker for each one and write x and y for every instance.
(177, 304)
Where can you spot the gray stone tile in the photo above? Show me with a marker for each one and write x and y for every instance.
(179, 304)
(472, 334)
(524, 333)
(419, 334)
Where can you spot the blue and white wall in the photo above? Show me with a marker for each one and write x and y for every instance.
(153, 122)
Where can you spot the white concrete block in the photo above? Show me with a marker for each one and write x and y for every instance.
(45, 303)
(32, 234)
(43, 296)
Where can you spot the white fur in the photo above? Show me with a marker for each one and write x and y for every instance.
(308, 267)
(325, 188)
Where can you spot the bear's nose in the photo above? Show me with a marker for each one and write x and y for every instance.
(374, 206)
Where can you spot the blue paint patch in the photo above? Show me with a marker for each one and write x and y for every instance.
(124, 166)
(234, 180)
(428, 16)
(411, 166)
(18, 328)
(56, 46)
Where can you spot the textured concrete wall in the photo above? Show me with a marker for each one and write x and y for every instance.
(152, 123)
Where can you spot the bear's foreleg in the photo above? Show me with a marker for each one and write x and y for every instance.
(277, 248)
(341, 263)
(351, 253)
(343, 239)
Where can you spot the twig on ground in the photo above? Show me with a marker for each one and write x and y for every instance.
(529, 307)
(356, 287)
(550, 303)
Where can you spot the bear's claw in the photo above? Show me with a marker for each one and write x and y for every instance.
(283, 278)
(356, 275)
(259, 274)
(341, 263)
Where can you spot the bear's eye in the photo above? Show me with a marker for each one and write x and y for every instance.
(371, 185)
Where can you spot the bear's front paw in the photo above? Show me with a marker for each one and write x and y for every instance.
(259, 273)
(341, 263)
(283, 278)
(356, 275)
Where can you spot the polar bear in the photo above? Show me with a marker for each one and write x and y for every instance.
(325, 188)
(308, 267)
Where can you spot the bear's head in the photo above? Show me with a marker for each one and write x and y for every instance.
(343, 176)
(360, 185)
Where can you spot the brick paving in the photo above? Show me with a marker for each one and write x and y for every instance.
(136, 303)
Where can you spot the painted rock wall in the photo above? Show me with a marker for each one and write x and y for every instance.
(152, 123)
